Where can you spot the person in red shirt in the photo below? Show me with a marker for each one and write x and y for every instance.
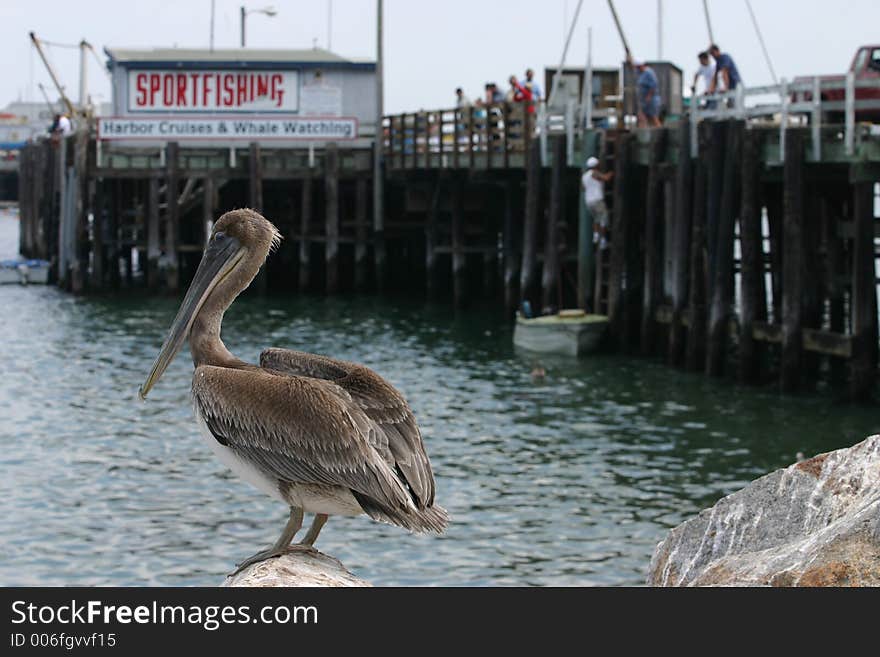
(522, 94)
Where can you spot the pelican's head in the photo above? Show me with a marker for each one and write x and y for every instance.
(238, 247)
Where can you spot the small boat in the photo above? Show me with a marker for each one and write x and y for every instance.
(33, 272)
(570, 333)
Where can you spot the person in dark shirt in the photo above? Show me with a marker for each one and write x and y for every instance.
(725, 70)
(648, 91)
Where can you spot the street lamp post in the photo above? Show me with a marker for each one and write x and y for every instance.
(268, 11)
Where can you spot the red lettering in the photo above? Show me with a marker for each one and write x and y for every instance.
(241, 88)
(141, 87)
(228, 90)
(277, 93)
(219, 84)
(155, 85)
(168, 89)
(195, 84)
(250, 88)
(206, 90)
(262, 86)
(181, 89)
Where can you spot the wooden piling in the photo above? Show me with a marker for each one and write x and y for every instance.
(331, 204)
(305, 246)
(154, 250)
(717, 144)
(834, 280)
(431, 240)
(721, 307)
(172, 223)
(775, 213)
(255, 201)
(209, 199)
(550, 277)
(114, 215)
(255, 177)
(510, 242)
(863, 364)
(653, 276)
(697, 289)
(80, 209)
(459, 280)
(681, 243)
(98, 247)
(793, 262)
(753, 295)
(618, 284)
(360, 234)
(530, 229)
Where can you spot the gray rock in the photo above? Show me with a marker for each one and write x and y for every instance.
(816, 523)
(301, 566)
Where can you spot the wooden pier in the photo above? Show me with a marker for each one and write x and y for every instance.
(737, 249)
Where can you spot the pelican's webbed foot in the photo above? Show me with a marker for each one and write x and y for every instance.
(263, 555)
(282, 545)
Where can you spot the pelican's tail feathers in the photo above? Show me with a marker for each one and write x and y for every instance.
(421, 521)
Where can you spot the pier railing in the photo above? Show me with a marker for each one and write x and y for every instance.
(486, 137)
(498, 136)
(803, 98)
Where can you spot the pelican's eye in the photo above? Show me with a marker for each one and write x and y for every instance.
(219, 236)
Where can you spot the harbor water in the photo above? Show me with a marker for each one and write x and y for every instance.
(568, 480)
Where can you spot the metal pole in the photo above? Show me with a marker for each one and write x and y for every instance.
(565, 51)
(587, 96)
(329, 24)
(761, 39)
(378, 144)
(52, 75)
(83, 74)
(708, 21)
(660, 30)
(850, 105)
(213, 2)
(52, 107)
(243, 17)
(619, 26)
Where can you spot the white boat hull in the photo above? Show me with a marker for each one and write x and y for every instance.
(554, 335)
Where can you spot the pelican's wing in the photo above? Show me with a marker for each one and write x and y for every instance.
(382, 404)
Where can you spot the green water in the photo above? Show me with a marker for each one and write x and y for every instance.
(568, 481)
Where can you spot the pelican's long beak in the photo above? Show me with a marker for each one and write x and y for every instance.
(220, 257)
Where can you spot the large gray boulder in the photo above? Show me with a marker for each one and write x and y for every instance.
(816, 523)
(301, 566)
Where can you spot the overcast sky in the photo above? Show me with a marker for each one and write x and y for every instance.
(432, 47)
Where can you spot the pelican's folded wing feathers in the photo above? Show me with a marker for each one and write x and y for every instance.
(397, 430)
(302, 430)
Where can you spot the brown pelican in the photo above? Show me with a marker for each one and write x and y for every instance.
(318, 434)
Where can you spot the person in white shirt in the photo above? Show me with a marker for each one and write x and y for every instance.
(707, 72)
(63, 126)
(593, 181)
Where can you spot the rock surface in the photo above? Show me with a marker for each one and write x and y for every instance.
(816, 523)
(300, 567)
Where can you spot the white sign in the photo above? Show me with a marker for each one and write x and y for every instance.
(218, 129)
(177, 91)
(318, 100)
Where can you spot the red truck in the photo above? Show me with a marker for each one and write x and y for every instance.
(866, 66)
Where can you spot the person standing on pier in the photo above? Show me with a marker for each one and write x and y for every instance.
(726, 71)
(593, 181)
(521, 93)
(537, 94)
(648, 89)
(707, 72)
(462, 101)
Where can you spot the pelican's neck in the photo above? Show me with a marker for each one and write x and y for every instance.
(204, 337)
